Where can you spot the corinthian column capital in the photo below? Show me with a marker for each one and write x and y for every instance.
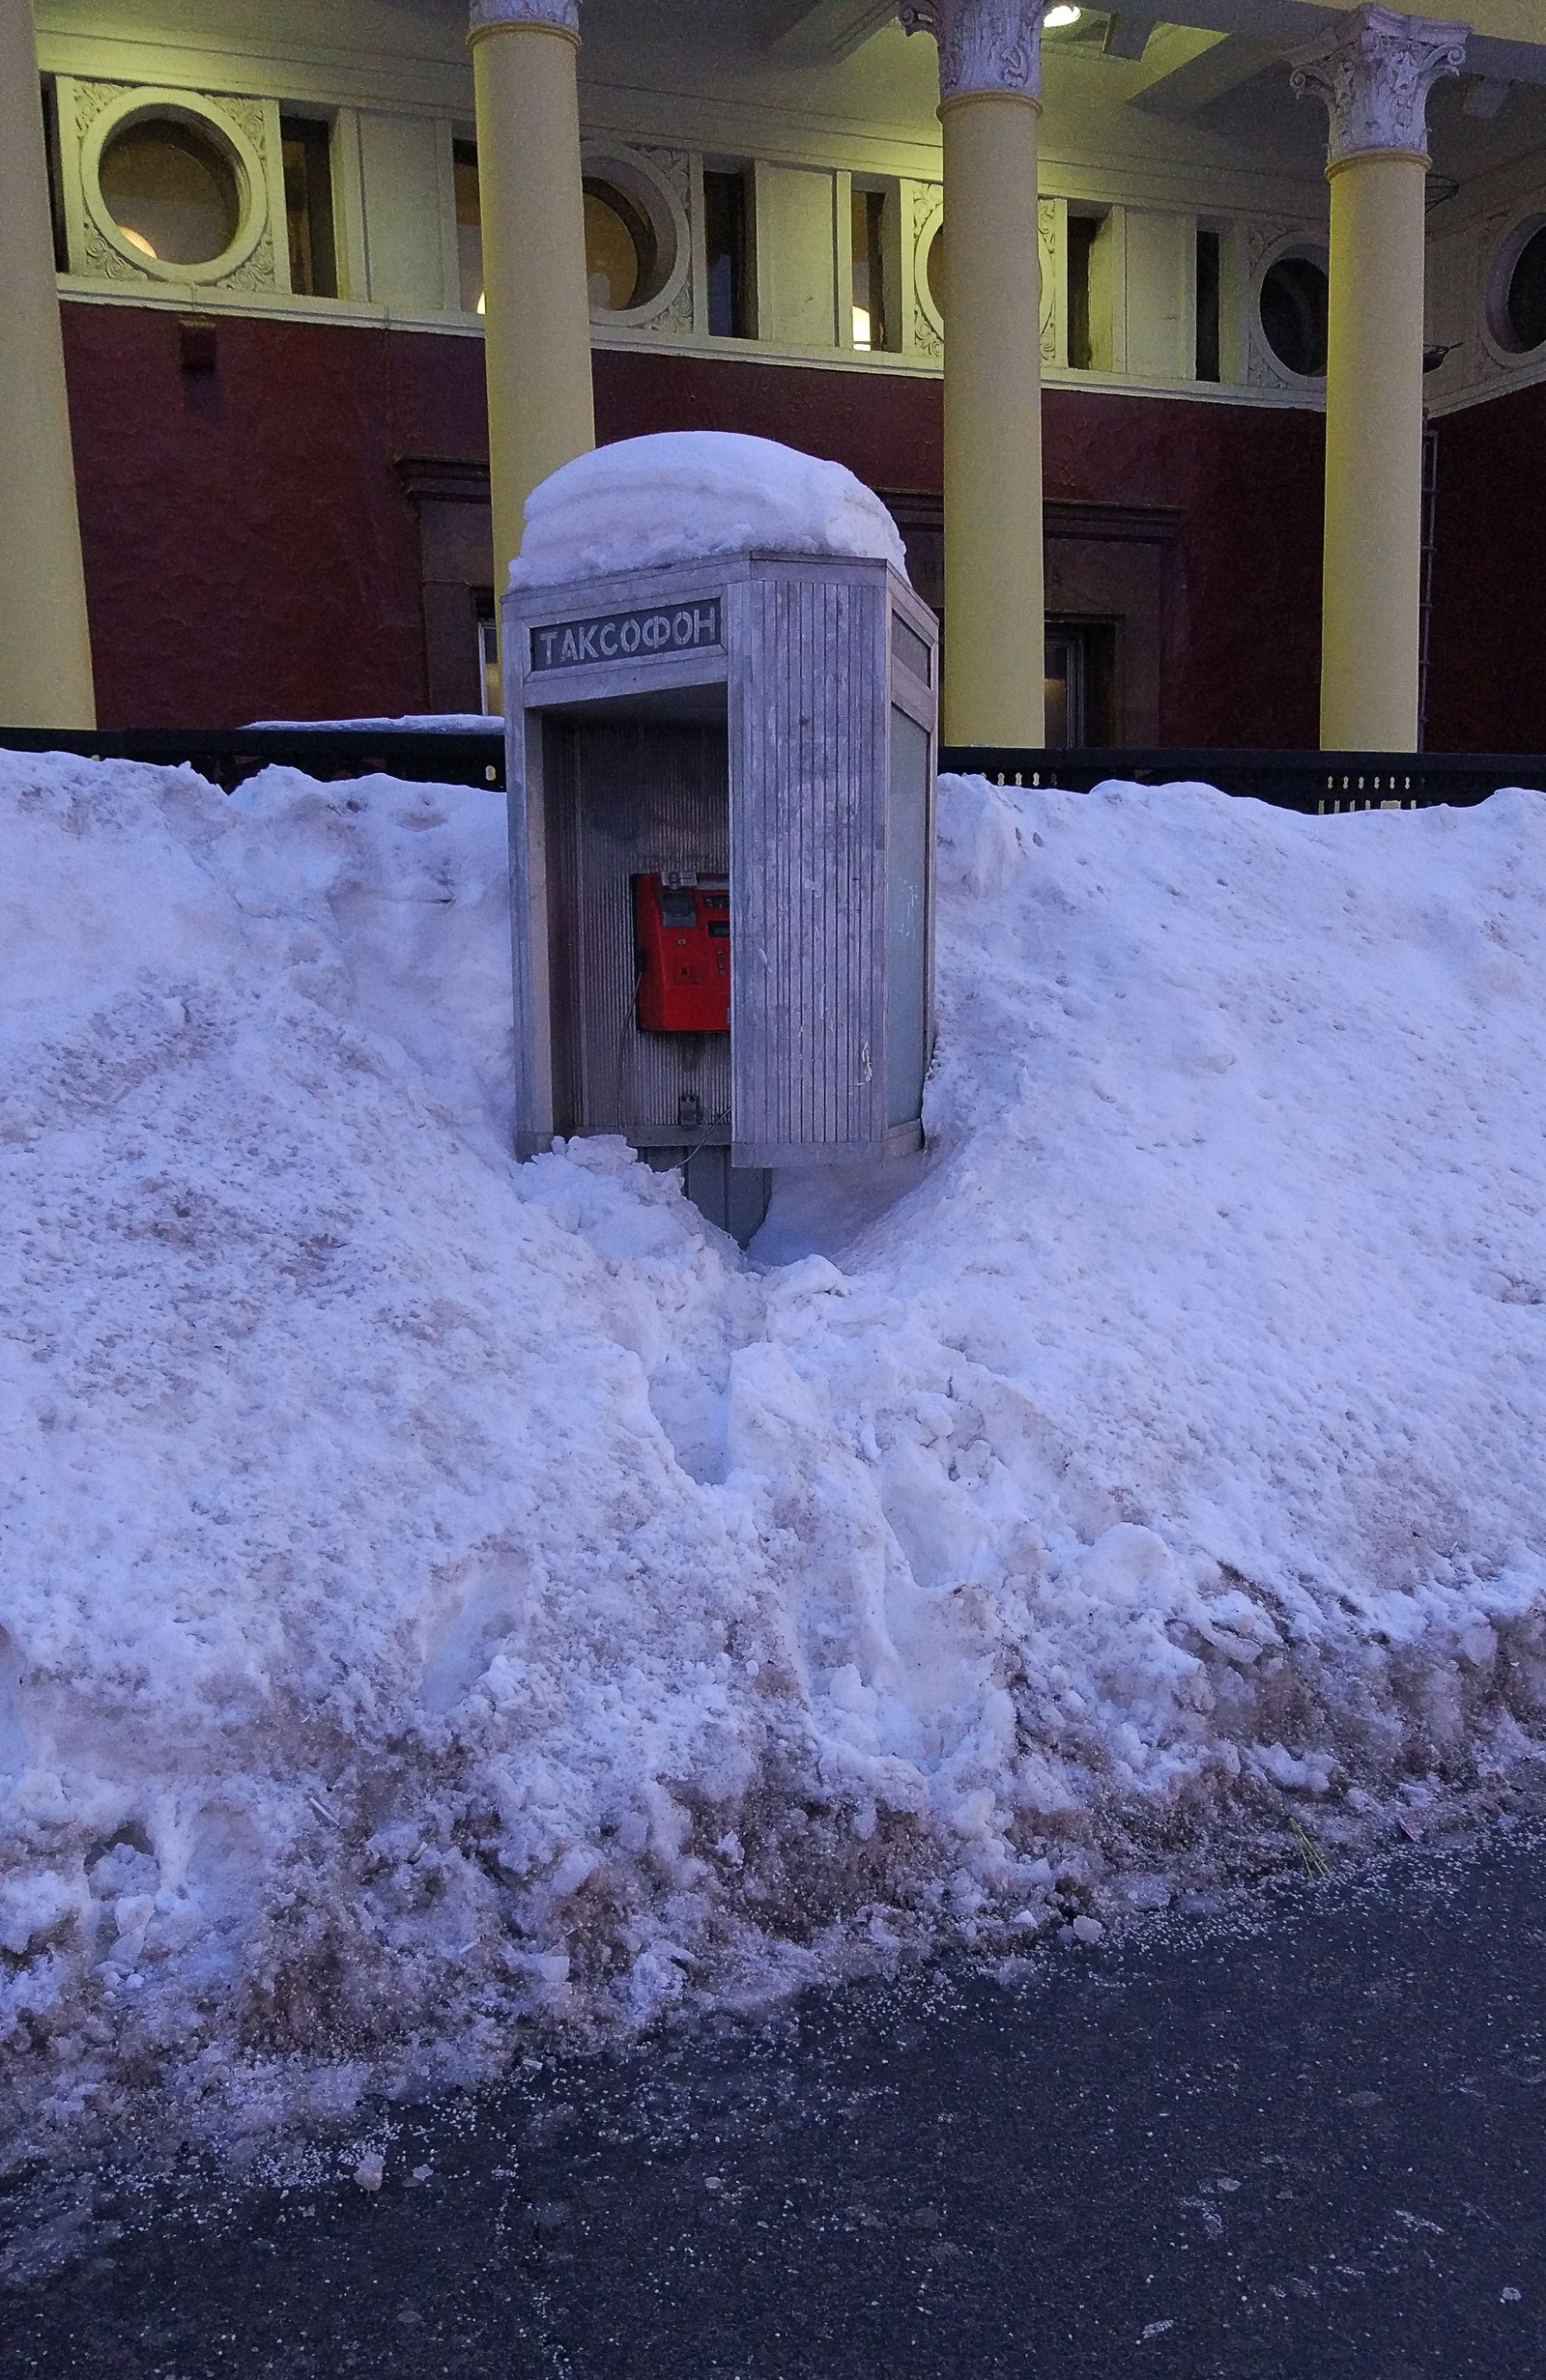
(984, 45)
(560, 16)
(1375, 73)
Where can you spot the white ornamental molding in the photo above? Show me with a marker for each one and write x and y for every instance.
(563, 15)
(984, 45)
(1375, 74)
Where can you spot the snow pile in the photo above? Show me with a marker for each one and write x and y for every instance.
(439, 1593)
(684, 496)
(415, 723)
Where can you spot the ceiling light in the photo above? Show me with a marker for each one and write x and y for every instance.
(1063, 15)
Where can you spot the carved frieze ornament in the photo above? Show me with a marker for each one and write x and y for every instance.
(984, 45)
(1375, 73)
(563, 15)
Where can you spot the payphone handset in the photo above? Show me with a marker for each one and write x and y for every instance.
(682, 934)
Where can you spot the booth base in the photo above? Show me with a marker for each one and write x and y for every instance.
(736, 1197)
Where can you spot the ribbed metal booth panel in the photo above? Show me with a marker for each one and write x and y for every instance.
(809, 768)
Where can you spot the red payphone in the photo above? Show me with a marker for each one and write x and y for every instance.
(682, 932)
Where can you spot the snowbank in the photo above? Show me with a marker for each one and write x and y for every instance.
(419, 723)
(683, 496)
(440, 1593)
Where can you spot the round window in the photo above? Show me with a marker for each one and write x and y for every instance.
(172, 192)
(1293, 312)
(934, 272)
(622, 252)
(1517, 310)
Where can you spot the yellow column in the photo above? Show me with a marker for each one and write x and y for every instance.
(1375, 74)
(45, 651)
(995, 682)
(1373, 581)
(536, 301)
(995, 628)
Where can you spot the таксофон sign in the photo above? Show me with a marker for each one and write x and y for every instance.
(621, 636)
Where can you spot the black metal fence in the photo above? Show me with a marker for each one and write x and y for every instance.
(1316, 781)
(227, 756)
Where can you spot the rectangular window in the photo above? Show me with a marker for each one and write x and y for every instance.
(909, 648)
(1084, 232)
(306, 147)
(870, 326)
(1207, 280)
(727, 241)
(1092, 256)
(469, 226)
(56, 195)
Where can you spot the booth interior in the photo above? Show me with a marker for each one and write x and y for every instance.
(635, 831)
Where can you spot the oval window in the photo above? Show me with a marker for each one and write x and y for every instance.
(1525, 306)
(171, 192)
(623, 253)
(934, 272)
(1293, 312)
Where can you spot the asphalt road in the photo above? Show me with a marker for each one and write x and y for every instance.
(1304, 2144)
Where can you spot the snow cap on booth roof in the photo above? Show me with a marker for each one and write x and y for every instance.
(683, 496)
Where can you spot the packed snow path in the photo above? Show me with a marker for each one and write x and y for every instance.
(439, 1591)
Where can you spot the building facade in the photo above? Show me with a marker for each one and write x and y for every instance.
(268, 223)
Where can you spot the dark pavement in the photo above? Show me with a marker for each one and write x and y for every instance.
(1305, 2143)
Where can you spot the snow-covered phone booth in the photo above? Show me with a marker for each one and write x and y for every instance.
(721, 700)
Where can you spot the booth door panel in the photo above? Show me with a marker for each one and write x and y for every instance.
(809, 741)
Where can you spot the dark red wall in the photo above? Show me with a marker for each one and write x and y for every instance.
(888, 430)
(1241, 626)
(1487, 687)
(250, 552)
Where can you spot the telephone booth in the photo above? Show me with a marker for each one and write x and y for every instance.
(722, 834)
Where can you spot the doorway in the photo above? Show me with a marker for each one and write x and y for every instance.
(1081, 682)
